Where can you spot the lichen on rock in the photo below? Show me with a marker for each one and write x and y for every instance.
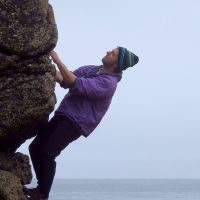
(27, 27)
(10, 187)
(18, 164)
(28, 32)
(26, 89)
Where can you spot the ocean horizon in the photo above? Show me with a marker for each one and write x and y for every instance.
(124, 189)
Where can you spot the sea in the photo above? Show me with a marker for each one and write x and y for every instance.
(125, 189)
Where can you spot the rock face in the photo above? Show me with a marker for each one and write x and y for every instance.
(27, 27)
(15, 171)
(27, 33)
(10, 187)
(17, 164)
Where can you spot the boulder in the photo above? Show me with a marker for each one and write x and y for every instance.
(10, 187)
(26, 97)
(28, 33)
(27, 27)
(18, 164)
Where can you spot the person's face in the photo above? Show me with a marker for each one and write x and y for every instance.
(111, 58)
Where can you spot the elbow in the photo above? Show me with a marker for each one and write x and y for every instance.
(73, 83)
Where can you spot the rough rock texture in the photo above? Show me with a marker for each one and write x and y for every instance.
(27, 27)
(15, 172)
(10, 187)
(26, 88)
(18, 164)
(27, 33)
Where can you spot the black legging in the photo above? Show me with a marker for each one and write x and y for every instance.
(47, 145)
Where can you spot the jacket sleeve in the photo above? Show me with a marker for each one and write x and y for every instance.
(97, 87)
(78, 72)
(81, 70)
(64, 85)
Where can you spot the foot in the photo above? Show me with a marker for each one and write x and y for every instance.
(30, 191)
(36, 198)
(33, 194)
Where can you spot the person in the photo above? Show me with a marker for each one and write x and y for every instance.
(91, 89)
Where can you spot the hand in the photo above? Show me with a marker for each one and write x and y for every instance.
(55, 57)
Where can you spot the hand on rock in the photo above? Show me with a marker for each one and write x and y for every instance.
(55, 57)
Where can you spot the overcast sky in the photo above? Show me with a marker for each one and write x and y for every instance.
(152, 128)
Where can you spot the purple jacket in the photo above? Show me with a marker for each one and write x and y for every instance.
(88, 100)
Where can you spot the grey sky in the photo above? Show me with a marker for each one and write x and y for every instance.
(152, 127)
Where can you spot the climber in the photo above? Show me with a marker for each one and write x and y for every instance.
(91, 89)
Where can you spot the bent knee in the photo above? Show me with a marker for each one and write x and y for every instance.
(33, 147)
(49, 153)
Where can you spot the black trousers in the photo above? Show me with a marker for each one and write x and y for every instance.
(51, 139)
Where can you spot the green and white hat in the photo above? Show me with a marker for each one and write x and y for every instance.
(126, 59)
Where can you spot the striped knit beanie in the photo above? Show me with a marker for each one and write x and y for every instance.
(126, 59)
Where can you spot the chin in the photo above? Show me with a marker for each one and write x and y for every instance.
(103, 60)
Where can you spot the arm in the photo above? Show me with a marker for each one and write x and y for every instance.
(65, 75)
(58, 77)
(94, 88)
